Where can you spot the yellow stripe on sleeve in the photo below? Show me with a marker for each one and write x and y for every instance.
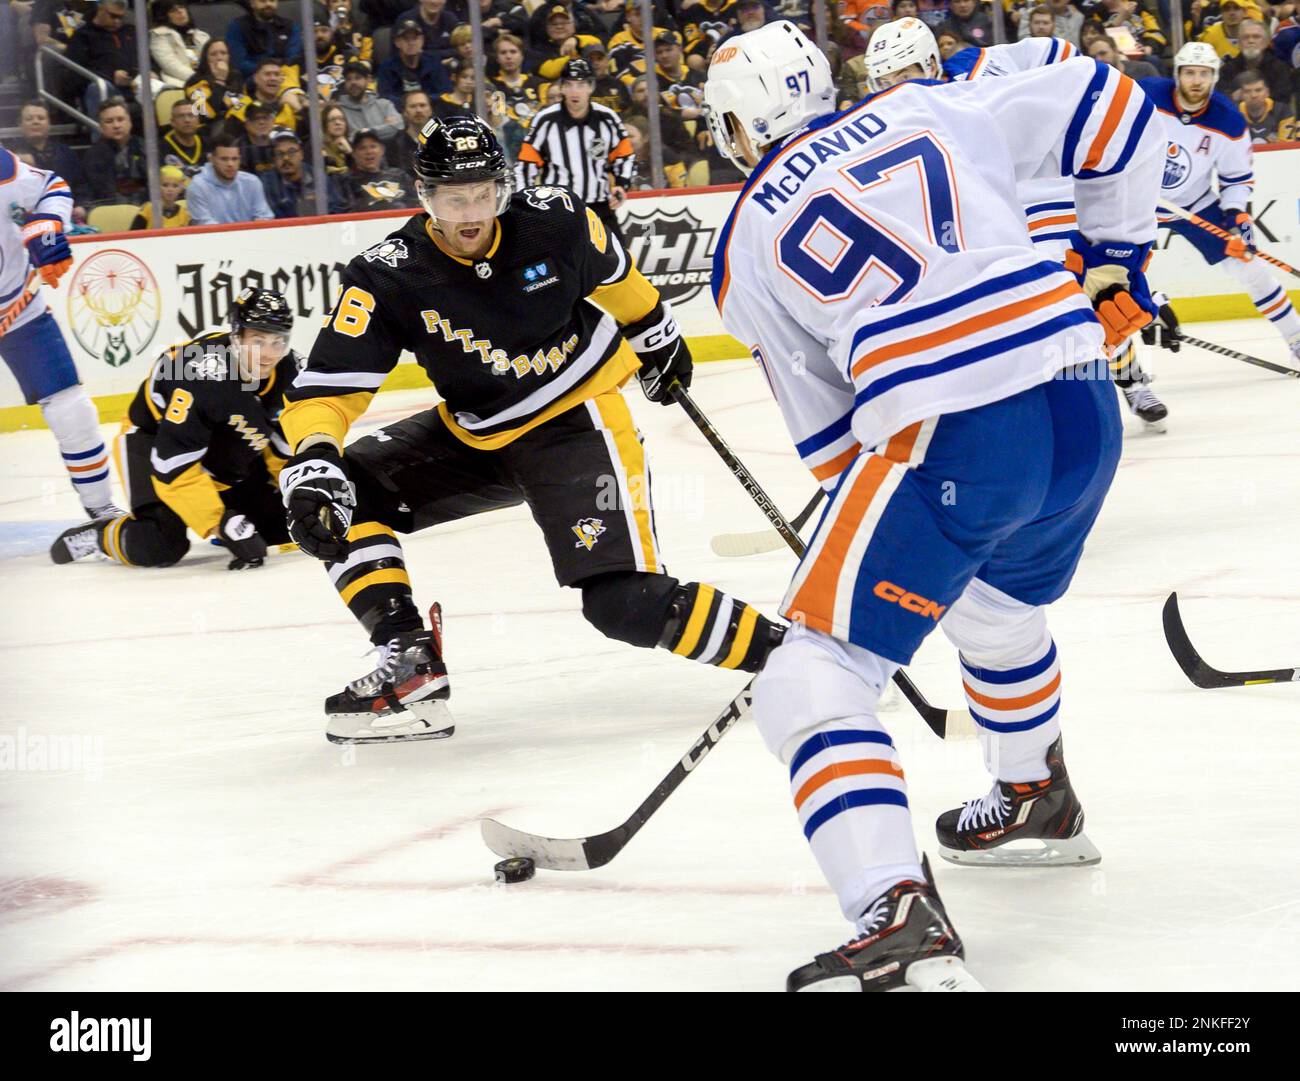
(695, 625)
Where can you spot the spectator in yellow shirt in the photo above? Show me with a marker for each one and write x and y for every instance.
(171, 184)
(1223, 34)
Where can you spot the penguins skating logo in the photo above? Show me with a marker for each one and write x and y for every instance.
(1178, 164)
(391, 252)
(588, 531)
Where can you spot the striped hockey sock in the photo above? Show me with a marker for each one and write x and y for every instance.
(1016, 710)
(712, 627)
(374, 584)
(1267, 295)
(73, 419)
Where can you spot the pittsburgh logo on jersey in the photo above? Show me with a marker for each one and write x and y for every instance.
(1178, 163)
(588, 531)
(538, 276)
(501, 363)
(255, 439)
(391, 252)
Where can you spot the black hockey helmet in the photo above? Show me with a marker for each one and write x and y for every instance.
(261, 309)
(578, 70)
(460, 150)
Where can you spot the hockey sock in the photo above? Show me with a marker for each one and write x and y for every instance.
(1014, 701)
(1267, 296)
(1125, 368)
(374, 584)
(712, 627)
(73, 419)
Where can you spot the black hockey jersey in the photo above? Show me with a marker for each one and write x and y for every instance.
(509, 340)
(209, 427)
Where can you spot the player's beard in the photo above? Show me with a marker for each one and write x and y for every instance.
(467, 239)
(1191, 102)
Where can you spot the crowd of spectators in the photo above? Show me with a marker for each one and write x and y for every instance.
(233, 103)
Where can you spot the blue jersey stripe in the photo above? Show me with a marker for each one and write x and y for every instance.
(1236, 179)
(823, 741)
(1081, 113)
(1013, 675)
(91, 480)
(972, 356)
(82, 455)
(1016, 726)
(863, 797)
(833, 431)
(1038, 238)
(1038, 208)
(1270, 298)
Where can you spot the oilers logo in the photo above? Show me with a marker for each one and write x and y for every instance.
(588, 530)
(1178, 164)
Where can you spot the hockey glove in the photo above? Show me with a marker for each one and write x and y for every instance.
(1164, 331)
(1243, 238)
(665, 357)
(241, 537)
(1111, 273)
(319, 500)
(47, 247)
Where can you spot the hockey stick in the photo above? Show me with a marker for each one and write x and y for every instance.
(585, 853)
(1201, 673)
(943, 722)
(1223, 234)
(762, 540)
(1223, 350)
(17, 308)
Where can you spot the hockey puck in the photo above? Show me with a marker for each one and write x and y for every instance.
(515, 869)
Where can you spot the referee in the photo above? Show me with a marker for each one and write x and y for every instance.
(580, 145)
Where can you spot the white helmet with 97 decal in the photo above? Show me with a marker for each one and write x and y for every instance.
(767, 83)
(1197, 54)
(896, 46)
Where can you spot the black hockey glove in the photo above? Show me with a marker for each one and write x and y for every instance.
(243, 541)
(319, 500)
(1164, 331)
(664, 354)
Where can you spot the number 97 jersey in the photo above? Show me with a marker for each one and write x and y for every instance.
(879, 267)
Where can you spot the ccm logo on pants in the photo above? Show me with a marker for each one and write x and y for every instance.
(910, 602)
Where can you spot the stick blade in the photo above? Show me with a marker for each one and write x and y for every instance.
(1184, 652)
(552, 853)
(733, 545)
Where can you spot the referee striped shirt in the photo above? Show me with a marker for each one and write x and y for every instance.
(586, 155)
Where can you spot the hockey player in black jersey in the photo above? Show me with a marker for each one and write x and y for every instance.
(201, 447)
(528, 317)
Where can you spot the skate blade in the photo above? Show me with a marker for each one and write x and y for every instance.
(421, 721)
(1072, 852)
(942, 974)
(1156, 427)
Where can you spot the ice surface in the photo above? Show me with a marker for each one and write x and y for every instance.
(217, 841)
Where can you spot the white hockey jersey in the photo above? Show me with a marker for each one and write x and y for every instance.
(1201, 145)
(878, 267)
(25, 190)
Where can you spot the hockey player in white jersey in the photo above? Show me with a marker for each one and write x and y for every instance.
(1210, 171)
(33, 252)
(906, 50)
(940, 379)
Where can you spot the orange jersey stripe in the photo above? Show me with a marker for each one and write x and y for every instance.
(836, 770)
(838, 464)
(901, 444)
(965, 327)
(1023, 702)
(1274, 307)
(1043, 223)
(1113, 116)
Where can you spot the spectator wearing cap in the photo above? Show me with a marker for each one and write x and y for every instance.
(436, 23)
(1223, 34)
(1067, 20)
(1263, 115)
(563, 42)
(255, 141)
(1103, 49)
(45, 150)
(575, 144)
(263, 34)
(417, 108)
(115, 166)
(584, 22)
(222, 193)
(459, 100)
(410, 67)
(366, 110)
(175, 42)
(290, 188)
(609, 90)
(267, 87)
(750, 15)
(182, 146)
(1255, 56)
(106, 46)
(175, 213)
(372, 184)
(331, 47)
(629, 43)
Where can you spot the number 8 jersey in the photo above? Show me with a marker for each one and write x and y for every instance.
(878, 265)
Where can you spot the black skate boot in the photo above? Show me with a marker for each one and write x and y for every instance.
(403, 699)
(1046, 815)
(1146, 406)
(79, 542)
(906, 939)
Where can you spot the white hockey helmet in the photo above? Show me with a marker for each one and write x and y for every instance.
(1197, 54)
(768, 82)
(898, 45)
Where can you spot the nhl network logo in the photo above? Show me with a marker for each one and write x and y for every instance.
(674, 250)
(112, 1034)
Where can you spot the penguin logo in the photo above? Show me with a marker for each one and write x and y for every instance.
(587, 531)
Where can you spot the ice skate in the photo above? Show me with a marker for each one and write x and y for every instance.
(1144, 405)
(78, 543)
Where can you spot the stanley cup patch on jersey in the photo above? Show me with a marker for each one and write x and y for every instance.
(588, 530)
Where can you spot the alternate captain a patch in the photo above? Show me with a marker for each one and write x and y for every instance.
(588, 530)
